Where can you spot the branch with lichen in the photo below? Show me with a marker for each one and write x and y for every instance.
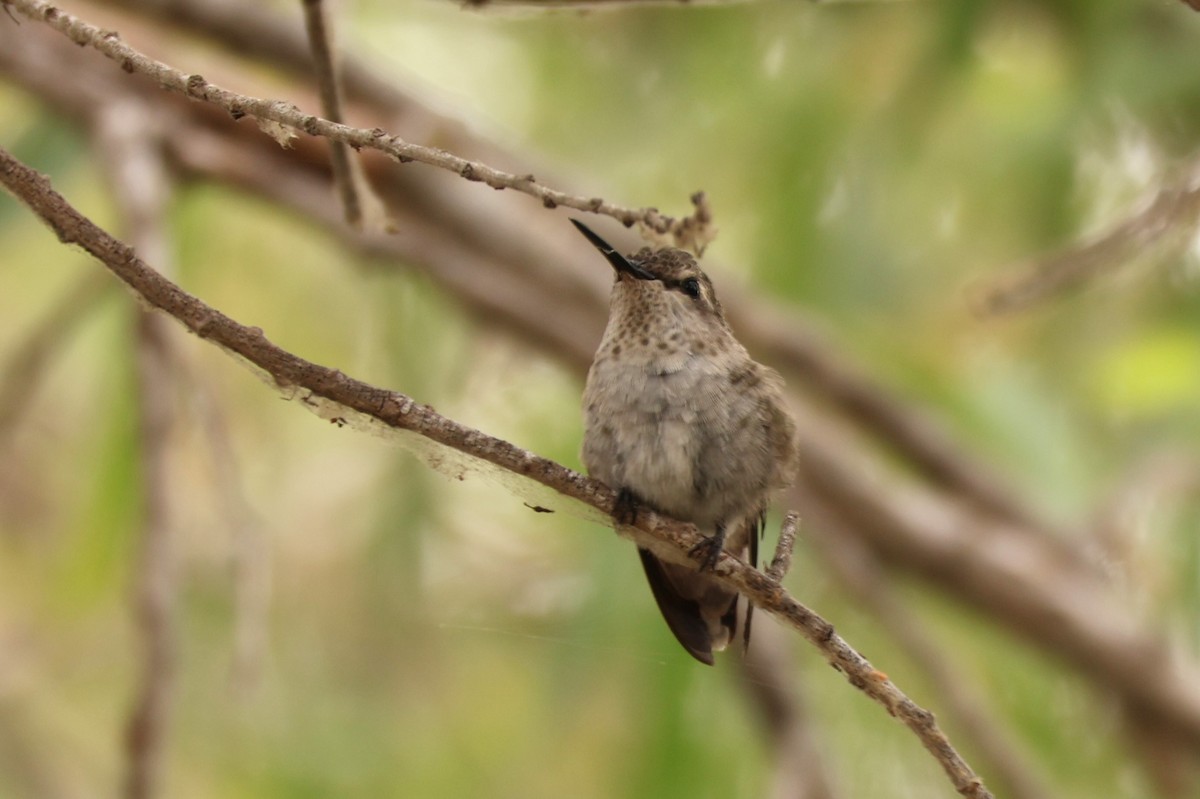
(284, 120)
(344, 401)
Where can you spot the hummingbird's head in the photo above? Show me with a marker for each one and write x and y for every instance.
(665, 279)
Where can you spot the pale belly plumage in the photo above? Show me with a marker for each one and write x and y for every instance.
(667, 438)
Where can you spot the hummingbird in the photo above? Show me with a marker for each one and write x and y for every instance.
(679, 419)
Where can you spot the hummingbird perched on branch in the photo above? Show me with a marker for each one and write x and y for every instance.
(679, 419)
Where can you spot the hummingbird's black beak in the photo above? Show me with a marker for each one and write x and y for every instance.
(619, 262)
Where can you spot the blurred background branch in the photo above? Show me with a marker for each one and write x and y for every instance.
(131, 152)
(331, 107)
(962, 458)
(1159, 229)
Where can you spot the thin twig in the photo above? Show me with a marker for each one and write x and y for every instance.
(862, 574)
(767, 677)
(288, 119)
(331, 104)
(1172, 211)
(334, 395)
(1072, 612)
(781, 564)
(261, 32)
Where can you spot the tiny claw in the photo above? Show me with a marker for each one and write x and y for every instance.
(707, 552)
(625, 509)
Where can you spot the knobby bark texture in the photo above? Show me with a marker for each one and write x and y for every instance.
(284, 120)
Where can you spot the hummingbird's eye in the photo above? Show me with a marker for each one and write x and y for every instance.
(691, 287)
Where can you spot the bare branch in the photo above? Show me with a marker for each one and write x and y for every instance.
(335, 396)
(331, 104)
(1172, 212)
(1070, 611)
(289, 119)
(861, 573)
(781, 564)
(259, 31)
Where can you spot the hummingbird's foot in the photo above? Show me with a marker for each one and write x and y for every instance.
(708, 551)
(625, 509)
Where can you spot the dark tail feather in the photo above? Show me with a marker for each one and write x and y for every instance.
(682, 614)
(757, 525)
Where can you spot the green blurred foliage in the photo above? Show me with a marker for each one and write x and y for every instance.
(868, 163)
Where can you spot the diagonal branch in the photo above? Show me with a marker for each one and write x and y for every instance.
(694, 231)
(863, 575)
(1172, 212)
(344, 400)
